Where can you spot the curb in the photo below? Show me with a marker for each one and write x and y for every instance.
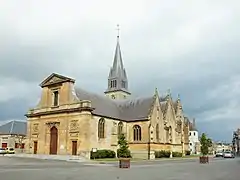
(149, 161)
(135, 161)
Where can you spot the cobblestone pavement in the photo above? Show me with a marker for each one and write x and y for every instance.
(36, 169)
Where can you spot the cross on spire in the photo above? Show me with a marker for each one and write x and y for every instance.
(118, 29)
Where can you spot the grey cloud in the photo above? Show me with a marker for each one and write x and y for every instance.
(14, 109)
(191, 52)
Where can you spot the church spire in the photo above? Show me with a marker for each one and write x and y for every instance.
(117, 79)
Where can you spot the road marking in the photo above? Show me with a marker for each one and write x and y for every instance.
(14, 170)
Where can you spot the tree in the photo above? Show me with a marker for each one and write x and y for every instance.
(205, 144)
(123, 151)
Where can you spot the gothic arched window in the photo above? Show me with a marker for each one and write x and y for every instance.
(137, 134)
(101, 128)
(167, 135)
(120, 128)
(157, 132)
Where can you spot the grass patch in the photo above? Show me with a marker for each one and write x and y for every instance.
(134, 159)
(106, 159)
(115, 160)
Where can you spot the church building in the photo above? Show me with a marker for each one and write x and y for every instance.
(69, 120)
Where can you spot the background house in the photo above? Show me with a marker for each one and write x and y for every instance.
(13, 134)
(194, 144)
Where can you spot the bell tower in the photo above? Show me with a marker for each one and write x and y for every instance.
(117, 79)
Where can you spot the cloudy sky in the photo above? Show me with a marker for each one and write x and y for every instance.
(191, 47)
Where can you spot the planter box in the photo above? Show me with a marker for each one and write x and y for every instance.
(124, 163)
(204, 159)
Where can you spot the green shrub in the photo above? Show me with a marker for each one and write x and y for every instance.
(104, 153)
(123, 151)
(127, 154)
(177, 154)
(162, 154)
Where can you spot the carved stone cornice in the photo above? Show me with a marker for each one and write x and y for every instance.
(59, 111)
(52, 123)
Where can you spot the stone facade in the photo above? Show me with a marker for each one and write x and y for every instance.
(68, 120)
(164, 129)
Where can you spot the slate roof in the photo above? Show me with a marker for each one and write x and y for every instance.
(128, 110)
(192, 127)
(14, 127)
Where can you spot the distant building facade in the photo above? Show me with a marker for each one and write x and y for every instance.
(220, 146)
(13, 134)
(194, 144)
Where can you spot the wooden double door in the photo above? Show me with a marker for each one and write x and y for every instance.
(53, 140)
(74, 148)
(35, 147)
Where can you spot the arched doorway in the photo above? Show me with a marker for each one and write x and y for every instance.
(53, 140)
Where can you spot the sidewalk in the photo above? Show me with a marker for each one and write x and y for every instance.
(79, 159)
(50, 157)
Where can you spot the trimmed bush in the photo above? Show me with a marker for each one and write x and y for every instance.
(177, 154)
(127, 154)
(104, 153)
(123, 151)
(162, 154)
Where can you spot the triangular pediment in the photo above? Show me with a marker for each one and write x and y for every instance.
(55, 79)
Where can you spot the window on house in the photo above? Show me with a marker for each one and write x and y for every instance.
(157, 132)
(114, 83)
(120, 128)
(190, 134)
(137, 136)
(101, 128)
(55, 98)
(190, 144)
(113, 97)
(23, 146)
(123, 84)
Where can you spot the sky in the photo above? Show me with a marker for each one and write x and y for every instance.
(190, 47)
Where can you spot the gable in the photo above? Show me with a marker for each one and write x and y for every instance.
(55, 79)
(169, 110)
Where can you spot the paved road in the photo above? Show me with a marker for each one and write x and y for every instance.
(35, 169)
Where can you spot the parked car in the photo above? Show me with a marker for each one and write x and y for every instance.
(228, 154)
(3, 151)
(10, 151)
(219, 154)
